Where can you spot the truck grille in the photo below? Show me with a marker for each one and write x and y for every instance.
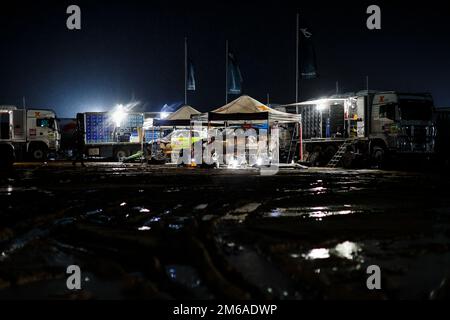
(419, 134)
(416, 139)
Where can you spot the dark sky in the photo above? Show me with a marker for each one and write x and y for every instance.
(128, 47)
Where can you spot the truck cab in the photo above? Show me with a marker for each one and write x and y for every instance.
(31, 134)
(403, 122)
(43, 134)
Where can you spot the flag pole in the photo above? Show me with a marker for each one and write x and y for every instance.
(226, 72)
(185, 70)
(297, 58)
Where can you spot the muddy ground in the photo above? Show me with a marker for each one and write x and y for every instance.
(161, 232)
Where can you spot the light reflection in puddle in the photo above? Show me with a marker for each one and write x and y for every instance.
(322, 214)
(311, 212)
(345, 250)
(89, 213)
(9, 189)
(317, 190)
(183, 275)
(314, 254)
(314, 190)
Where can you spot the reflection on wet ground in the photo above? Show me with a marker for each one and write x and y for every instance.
(163, 232)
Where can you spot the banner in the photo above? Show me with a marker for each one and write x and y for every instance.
(234, 75)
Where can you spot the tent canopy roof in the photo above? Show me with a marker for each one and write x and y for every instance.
(247, 108)
(183, 113)
(181, 117)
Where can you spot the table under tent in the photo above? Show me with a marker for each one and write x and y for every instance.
(179, 119)
(258, 126)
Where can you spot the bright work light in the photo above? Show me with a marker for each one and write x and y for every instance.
(118, 115)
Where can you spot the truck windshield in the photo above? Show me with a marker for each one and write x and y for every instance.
(46, 123)
(416, 109)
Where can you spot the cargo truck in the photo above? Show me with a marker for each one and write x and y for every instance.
(111, 136)
(365, 129)
(442, 120)
(27, 134)
(118, 134)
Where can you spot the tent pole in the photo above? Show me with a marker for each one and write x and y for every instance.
(300, 140)
(226, 72)
(268, 137)
(297, 59)
(185, 69)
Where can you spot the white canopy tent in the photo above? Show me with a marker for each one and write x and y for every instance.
(183, 113)
(245, 108)
(181, 117)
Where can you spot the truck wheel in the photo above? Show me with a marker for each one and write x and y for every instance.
(348, 160)
(378, 157)
(121, 155)
(38, 153)
(7, 160)
(313, 157)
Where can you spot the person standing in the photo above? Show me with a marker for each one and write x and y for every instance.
(78, 137)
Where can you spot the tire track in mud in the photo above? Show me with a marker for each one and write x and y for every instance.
(171, 233)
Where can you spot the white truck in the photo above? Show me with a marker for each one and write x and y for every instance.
(366, 128)
(27, 134)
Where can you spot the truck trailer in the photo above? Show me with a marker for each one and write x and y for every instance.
(442, 120)
(365, 128)
(27, 134)
(111, 136)
(116, 135)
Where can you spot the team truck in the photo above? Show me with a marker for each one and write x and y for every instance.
(27, 134)
(118, 134)
(365, 129)
(442, 120)
(111, 135)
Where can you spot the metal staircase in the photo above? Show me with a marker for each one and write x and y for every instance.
(292, 145)
(338, 155)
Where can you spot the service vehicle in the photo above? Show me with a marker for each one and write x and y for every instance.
(365, 129)
(28, 134)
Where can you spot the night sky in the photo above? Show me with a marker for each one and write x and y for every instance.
(128, 48)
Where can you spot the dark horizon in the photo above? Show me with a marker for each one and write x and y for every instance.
(138, 49)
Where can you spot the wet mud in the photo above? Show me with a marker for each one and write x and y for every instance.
(159, 232)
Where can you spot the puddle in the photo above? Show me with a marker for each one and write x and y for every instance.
(188, 277)
(202, 206)
(6, 190)
(311, 212)
(260, 272)
(248, 208)
(184, 275)
(345, 250)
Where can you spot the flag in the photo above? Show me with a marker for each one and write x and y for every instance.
(308, 64)
(190, 84)
(234, 75)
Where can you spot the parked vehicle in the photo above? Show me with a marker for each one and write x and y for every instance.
(170, 146)
(111, 137)
(27, 134)
(118, 134)
(442, 120)
(366, 128)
